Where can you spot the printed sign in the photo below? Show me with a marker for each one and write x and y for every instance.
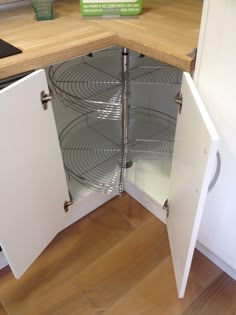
(110, 7)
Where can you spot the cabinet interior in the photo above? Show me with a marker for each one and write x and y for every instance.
(87, 104)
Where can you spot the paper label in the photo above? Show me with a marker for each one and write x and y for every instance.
(110, 7)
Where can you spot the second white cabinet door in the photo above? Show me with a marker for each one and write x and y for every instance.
(196, 144)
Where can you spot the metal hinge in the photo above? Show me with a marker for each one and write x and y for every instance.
(45, 98)
(166, 207)
(69, 203)
(179, 101)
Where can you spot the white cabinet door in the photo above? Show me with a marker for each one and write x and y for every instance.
(194, 155)
(32, 180)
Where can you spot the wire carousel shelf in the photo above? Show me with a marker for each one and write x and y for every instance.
(96, 151)
(94, 83)
(92, 153)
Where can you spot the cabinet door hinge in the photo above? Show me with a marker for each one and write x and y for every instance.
(45, 98)
(67, 203)
(179, 101)
(166, 207)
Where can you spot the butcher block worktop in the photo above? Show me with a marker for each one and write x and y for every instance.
(166, 30)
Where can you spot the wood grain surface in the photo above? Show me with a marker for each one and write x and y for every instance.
(2, 310)
(166, 30)
(111, 263)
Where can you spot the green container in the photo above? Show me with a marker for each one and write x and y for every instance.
(43, 9)
(110, 7)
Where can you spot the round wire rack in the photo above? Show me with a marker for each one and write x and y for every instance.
(91, 147)
(91, 152)
(92, 84)
(150, 131)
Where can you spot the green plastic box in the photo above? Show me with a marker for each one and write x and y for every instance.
(110, 7)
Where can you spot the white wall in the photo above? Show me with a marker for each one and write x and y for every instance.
(215, 77)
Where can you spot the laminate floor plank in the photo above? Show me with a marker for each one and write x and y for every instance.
(115, 261)
(2, 310)
(71, 251)
(157, 293)
(111, 276)
(218, 299)
(71, 304)
(132, 210)
(63, 299)
(203, 270)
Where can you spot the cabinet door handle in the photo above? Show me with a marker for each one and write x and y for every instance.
(217, 172)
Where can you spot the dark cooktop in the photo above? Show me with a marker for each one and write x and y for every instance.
(7, 49)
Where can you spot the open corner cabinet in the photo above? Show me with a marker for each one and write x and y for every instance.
(119, 129)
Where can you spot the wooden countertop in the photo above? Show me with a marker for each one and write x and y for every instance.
(166, 30)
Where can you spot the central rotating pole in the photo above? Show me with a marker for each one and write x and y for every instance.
(125, 112)
(125, 92)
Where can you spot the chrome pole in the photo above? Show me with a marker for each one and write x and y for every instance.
(125, 113)
(125, 92)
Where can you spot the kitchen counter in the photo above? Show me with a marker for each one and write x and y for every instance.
(166, 30)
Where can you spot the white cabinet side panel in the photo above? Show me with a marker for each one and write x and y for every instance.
(216, 83)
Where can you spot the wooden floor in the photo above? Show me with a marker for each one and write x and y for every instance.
(115, 261)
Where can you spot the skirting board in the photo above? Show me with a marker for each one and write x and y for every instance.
(216, 260)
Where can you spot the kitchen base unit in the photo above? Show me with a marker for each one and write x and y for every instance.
(125, 123)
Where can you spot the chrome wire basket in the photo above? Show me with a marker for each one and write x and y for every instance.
(93, 83)
(92, 153)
